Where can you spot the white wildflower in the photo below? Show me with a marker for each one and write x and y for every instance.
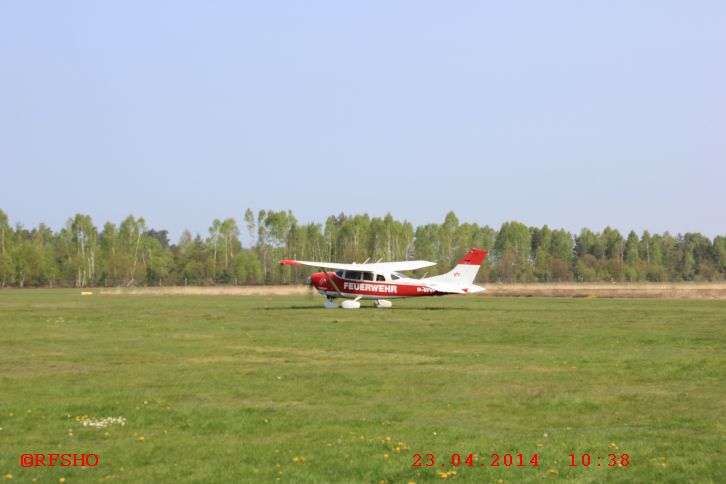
(102, 423)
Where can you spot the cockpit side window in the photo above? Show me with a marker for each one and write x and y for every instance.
(379, 277)
(354, 275)
(367, 276)
(395, 276)
(339, 273)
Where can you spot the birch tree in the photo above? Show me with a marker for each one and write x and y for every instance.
(6, 260)
(131, 231)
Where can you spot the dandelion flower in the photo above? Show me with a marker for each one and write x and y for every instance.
(62, 479)
(385, 456)
(8, 476)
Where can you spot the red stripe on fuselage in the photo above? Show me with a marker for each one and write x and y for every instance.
(371, 289)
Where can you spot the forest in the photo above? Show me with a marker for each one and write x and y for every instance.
(132, 254)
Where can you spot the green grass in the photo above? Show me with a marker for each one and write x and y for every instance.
(233, 389)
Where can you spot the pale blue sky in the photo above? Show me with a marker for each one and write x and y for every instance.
(570, 114)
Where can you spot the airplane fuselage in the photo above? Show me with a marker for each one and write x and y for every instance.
(402, 287)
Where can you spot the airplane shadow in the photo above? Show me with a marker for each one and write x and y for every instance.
(368, 308)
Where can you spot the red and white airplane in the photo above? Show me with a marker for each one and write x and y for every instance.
(382, 280)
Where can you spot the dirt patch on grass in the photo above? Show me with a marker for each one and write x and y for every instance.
(621, 290)
(287, 290)
(685, 290)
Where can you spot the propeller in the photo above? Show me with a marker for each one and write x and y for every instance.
(311, 288)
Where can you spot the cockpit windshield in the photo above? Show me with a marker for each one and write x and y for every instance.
(354, 275)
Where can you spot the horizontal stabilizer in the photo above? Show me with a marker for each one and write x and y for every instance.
(445, 287)
(454, 288)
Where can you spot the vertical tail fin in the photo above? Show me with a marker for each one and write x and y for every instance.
(465, 271)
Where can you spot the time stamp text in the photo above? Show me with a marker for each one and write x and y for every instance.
(516, 460)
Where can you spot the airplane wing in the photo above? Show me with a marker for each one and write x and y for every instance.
(408, 265)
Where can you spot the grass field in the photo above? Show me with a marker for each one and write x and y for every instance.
(252, 389)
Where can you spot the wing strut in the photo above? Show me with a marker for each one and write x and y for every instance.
(330, 279)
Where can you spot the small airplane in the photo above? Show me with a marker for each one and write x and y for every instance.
(382, 281)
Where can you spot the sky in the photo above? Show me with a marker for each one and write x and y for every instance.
(566, 113)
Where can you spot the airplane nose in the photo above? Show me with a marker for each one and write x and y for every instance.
(314, 279)
(317, 279)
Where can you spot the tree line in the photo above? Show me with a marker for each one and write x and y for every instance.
(131, 253)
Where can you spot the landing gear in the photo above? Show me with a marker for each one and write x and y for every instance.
(354, 304)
